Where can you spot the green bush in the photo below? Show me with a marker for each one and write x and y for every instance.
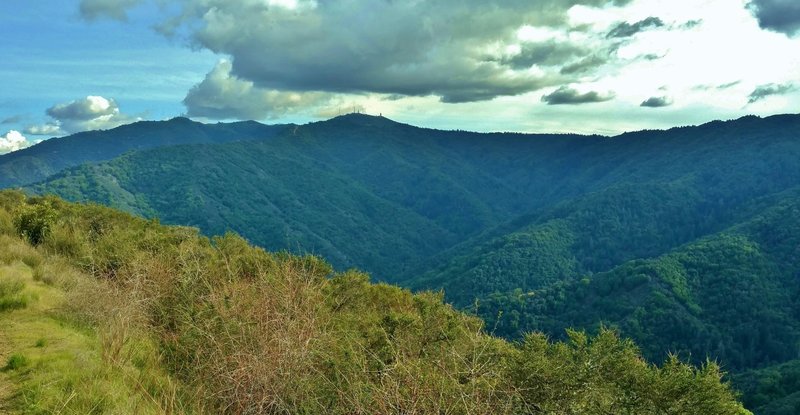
(34, 220)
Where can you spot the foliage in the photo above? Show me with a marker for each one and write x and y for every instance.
(33, 221)
(36, 163)
(774, 390)
(731, 296)
(220, 326)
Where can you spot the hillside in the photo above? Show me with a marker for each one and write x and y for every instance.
(163, 320)
(38, 162)
(329, 188)
(731, 295)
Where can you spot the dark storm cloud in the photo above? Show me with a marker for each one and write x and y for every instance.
(409, 48)
(777, 15)
(764, 91)
(626, 29)
(568, 96)
(657, 102)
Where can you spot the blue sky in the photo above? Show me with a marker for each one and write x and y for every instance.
(586, 66)
(53, 56)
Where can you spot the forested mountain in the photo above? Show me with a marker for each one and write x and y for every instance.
(358, 189)
(684, 239)
(35, 163)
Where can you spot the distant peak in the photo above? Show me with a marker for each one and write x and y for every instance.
(358, 116)
(360, 119)
(180, 120)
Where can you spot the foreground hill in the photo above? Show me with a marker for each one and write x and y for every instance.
(166, 321)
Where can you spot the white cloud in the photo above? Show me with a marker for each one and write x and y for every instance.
(12, 141)
(222, 95)
(84, 114)
(50, 129)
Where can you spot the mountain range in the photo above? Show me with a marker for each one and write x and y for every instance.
(685, 240)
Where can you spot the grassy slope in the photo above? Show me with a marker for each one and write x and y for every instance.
(166, 321)
(56, 364)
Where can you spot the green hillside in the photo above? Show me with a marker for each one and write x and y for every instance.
(732, 295)
(398, 201)
(49, 157)
(107, 313)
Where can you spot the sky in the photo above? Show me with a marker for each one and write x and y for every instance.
(555, 66)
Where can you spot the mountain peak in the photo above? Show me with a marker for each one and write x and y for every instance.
(361, 120)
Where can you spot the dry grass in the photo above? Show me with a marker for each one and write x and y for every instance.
(14, 249)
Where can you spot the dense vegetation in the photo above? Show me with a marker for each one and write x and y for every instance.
(681, 239)
(774, 390)
(167, 321)
(36, 163)
(731, 295)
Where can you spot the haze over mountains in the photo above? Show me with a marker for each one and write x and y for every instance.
(685, 239)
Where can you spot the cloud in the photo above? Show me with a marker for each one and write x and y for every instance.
(90, 113)
(85, 109)
(657, 102)
(718, 87)
(12, 141)
(626, 29)
(777, 15)
(549, 53)
(44, 129)
(114, 9)
(691, 24)
(12, 119)
(584, 65)
(569, 96)
(450, 49)
(764, 91)
(728, 84)
(222, 95)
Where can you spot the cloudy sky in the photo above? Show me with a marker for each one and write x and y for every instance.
(586, 66)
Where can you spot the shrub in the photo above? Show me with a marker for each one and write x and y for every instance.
(34, 220)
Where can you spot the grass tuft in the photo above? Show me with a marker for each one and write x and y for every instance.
(12, 296)
(16, 361)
